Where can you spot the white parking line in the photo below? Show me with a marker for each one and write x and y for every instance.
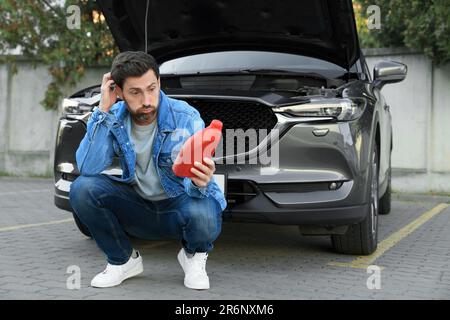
(153, 244)
(24, 226)
(362, 262)
(24, 191)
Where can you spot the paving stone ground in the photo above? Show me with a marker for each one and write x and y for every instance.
(249, 261)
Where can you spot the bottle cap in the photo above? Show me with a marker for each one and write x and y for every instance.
(216, 124)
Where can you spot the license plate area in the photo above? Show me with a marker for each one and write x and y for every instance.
(221, 180)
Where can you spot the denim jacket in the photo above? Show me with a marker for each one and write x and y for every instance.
(108, 134)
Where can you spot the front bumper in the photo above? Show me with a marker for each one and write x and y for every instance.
(262, 209)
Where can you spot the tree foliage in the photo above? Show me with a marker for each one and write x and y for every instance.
(39, 29)
(417, 24)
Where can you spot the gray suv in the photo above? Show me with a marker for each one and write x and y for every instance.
(291, 79)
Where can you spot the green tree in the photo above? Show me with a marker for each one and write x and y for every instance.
(39, 28)
(416, 24)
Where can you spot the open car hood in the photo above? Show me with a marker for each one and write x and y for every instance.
(323, 29)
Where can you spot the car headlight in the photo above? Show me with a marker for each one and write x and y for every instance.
(342, 109)
(70, 106)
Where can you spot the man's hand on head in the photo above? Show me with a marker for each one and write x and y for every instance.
(203, 172)
(108, 95)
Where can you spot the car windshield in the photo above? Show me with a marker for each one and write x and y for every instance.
(231, 61)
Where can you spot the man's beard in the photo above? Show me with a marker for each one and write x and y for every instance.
(140, 116)
(143, 117)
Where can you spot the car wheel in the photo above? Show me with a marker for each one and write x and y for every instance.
(385, 201)
(84, 230)
(362, 238)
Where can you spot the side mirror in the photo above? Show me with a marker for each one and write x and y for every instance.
(386, 72)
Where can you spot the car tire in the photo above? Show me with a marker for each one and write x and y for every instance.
(362, 238)
(385, 201)
(84, 230)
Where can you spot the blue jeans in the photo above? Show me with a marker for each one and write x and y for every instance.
(111, 210)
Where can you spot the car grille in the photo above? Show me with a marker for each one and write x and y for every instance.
(237, 115)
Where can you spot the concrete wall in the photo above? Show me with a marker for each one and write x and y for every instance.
(420, 108)
(3, 115)
(27, 130)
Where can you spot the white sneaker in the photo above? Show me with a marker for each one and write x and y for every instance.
(195, 276)
(113, 275)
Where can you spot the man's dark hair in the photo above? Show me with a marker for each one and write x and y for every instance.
(132, 64)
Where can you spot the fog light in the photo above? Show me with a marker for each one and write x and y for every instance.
(334, 185)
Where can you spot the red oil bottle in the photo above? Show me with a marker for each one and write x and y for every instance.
(202, 144)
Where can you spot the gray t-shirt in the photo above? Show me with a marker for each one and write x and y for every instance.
(147, 181)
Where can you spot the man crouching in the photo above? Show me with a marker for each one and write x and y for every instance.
(148, 201)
